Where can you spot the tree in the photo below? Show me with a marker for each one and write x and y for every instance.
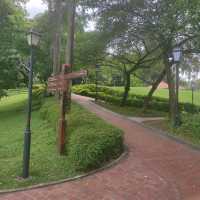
(132, 51)
(12, 44)
(90, 49)
(161, 25)
(170, 24)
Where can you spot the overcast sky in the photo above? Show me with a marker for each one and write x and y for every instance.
(34, 7)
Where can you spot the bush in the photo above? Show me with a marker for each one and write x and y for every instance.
(49, 111)
(2, 93)
(114, 96)
(89, 151)
(38, 96)
(190, 127)
(91, 142)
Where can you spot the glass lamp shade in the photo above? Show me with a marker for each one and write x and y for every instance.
(170, 59)
(192, 85)
(98, 66)
(177, 54)
(33, 38)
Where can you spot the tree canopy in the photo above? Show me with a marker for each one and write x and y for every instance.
(12, 44)
(136, 38)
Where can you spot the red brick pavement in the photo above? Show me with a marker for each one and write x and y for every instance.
(157, 168)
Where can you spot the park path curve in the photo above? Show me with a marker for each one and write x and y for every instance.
(157, 168)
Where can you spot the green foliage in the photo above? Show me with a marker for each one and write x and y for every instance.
(12, 44)
(90, 145)
(45, 164)
(90, 49)
(132, 111)
(43, 64)
(50, 112)
(90, 151)
(188, 131)
(136, 82)
(2, 93)
(190, 128)
(38, 95)
(114, 96)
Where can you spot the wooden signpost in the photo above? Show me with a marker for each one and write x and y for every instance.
(61, 83)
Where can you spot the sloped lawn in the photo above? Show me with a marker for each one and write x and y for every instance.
(46, 165)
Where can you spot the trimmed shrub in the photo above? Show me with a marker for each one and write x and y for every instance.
(2, 93)
(49, 111)
(190, 127)
(38, 96)
(114, 96)
(89, 151)
(91, 142)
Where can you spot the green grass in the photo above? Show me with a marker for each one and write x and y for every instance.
(189, 131)
(45, 165)
(132, 111)
(185, 95)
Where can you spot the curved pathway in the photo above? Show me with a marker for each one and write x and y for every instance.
(156, 168)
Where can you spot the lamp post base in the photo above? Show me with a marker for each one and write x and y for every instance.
(26, 157)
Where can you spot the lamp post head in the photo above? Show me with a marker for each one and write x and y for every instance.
(192, 84)
(33, 38)
(98, 66)
(177, 54)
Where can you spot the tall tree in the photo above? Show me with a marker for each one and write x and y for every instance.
(12, 44)
(161, 25)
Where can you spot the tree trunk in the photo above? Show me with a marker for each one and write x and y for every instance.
(65, 101)
(69, 57)
(153, 89)
(172, 93)
(127, 86)
(58, 16)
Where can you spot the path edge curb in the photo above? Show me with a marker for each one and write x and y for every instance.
(109, 165)
(154, 130)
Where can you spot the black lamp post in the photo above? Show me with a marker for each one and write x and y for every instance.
(96, 82)
(177, 55)
(192, 85)
(33, 41)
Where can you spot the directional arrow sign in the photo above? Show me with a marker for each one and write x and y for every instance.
(74, 75)
(59, 82)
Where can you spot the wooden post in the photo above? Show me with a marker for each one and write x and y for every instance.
(70, 46)
(63, 122)
(60, 83)
(67, 68)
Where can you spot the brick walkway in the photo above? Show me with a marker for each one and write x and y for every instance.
(157, 168)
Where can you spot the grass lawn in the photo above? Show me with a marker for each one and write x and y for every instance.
(185, 95)
(187, 133)
(132, 111)
(46, 165)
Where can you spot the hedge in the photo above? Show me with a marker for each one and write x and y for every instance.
(49, 111)
(114, 96)
(38, 95)
(91, 142)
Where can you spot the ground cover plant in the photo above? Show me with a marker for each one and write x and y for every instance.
(132, 111)
(189, 131)
(184, 95)
(114, 96)
(91, 142)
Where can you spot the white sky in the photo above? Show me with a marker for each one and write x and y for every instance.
(35, 7)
